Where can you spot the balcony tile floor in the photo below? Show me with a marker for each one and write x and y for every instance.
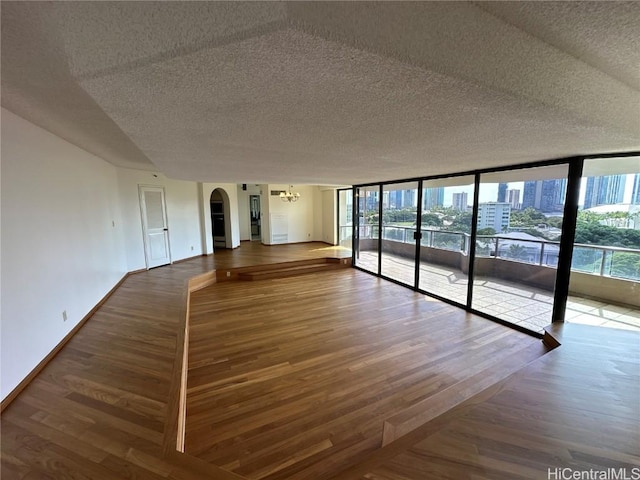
(528, 307)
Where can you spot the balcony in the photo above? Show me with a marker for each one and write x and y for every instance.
(514, 277)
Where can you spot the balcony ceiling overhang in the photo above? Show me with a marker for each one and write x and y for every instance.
(326, 93)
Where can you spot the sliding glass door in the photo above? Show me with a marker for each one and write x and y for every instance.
(399, 231)
(605, 277)
(368, 230)
(524, 245)
(519, 227)
(446, 220)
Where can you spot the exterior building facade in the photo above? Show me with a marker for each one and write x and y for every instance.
(494, 215)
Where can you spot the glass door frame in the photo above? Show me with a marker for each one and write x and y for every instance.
(575, 165)
(416, 234)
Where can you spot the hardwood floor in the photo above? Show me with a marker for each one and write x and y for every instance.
(294, 378)
(576, 408)
(99, 408)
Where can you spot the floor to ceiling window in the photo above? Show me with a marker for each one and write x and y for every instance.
(519, 263)
(604, 287)
(399, 216)
(518, 236)
(368, 228)
(447, 211)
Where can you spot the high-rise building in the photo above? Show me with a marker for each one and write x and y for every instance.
(460, 201)
(432, 197)
(606, 190)
(502, 192)
(529, 196)
(591, 192)
(494, 215)
(395, 199)
(553, 195)
(513, 197)
(371, 201)
(635, 195)
(544, 195)
(409, 198)
(399, 199)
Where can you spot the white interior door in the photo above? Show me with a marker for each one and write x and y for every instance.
(154, 226)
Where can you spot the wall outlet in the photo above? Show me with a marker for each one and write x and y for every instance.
(228, 274)
(64, 315)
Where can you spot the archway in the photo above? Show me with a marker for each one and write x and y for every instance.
(220, 220)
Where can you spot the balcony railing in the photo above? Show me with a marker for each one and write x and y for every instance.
(616, 262)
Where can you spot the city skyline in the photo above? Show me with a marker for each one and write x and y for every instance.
(544, 195)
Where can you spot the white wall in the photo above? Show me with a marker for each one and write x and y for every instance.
(318, 215)
(62, 242)
(232, 227)
(71, 229)
(304, 216)
(329, 217)
(183, 215)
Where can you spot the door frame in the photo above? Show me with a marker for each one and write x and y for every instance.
(141, 189)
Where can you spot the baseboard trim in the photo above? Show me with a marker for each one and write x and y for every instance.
(299, 243)
(189, 258)
(43, 363)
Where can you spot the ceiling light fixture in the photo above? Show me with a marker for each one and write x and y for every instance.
(289, 195)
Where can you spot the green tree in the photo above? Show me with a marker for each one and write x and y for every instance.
(593, 233)
(529, 217)
(431, 220)
(486, 231)
(555, 222)
(625, 265)
(461, 223)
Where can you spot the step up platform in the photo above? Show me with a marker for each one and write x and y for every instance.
(284, 269)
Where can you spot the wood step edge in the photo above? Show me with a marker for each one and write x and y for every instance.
(233, 273)
(426, 410)
(291, 268)
(285, 273)
(549, 339)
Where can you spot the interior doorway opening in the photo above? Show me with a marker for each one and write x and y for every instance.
(218, 220)
(256, 217)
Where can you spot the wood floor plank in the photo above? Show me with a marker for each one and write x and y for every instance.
(573, 408)
(97, 410)
(295, 364)
(358, 352)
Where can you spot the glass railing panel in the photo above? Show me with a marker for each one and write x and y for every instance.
(587, 259)
(449, 241)
(346, 236)
(345, 217)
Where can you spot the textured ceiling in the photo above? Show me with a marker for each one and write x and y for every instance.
(326, 93)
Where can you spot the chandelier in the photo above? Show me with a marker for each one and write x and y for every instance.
(289, 195)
